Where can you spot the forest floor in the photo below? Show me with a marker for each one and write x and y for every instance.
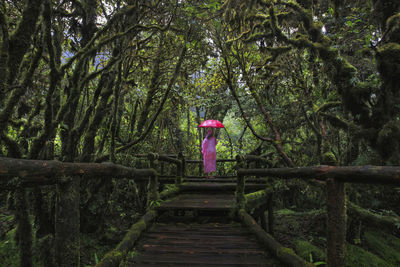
(305, 233)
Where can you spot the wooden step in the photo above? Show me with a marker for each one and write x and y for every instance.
(210, 244)
(222, 202)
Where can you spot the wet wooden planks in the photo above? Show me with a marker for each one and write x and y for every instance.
(210, 244)
(204, 201)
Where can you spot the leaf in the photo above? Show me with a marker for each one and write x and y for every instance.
(349, 23)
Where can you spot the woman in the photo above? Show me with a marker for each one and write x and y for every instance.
(209, 154)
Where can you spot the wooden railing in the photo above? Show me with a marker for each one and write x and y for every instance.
(334, 178)
(16, 174)
(20, 173)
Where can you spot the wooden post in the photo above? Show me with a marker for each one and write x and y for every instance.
(241, 183)
(181, 157)
(23, 234)
(271, 214)
(67, 242)
(336, 224)
(162, 167)
(263, 221)
(153, 195)
(240, 197)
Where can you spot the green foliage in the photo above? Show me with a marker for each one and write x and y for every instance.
(384, 245)
(9, 250)
(309, 252)
(154, 204)
(357, 256)
(285, 212)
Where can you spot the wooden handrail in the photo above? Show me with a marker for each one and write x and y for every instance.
(350, 174)
(201, 161)
(335, 178)
(49, 171)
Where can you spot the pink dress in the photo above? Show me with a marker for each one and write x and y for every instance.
(209, 154)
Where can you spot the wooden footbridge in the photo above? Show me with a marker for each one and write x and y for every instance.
(191, 220)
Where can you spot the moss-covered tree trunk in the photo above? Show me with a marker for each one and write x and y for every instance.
(336, 223)
(67, 241)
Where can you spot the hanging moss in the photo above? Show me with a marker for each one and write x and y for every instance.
(389, 141)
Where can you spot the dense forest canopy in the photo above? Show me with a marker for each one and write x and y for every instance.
(87, 80)
(301, 83)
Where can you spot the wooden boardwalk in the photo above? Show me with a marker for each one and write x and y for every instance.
(217, 242)
(211, 244)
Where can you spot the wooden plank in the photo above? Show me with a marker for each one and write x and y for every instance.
(166, 248)
(211, 244)
(192, 265)
(209, 259)
(199, 202)
(201, 243)
(214, 238)
(215, 229)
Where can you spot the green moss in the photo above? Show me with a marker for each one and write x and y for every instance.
(308, 251)
(135, 230)
(255, 199)
(329, 158)
(384, 245)
(114, 257)
(357, 256)
(285, 212)
(285, 250)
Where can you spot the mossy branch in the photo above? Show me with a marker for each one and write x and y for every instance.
(390, 223)
(19, 41)
(114, 257)
(88, 146)
(163, 100)
(328, 105)
(336, 121)
(3, 53)
(258, 198)
(89, 49)
(85, 121)
(286, 255)
(49, 126)
(19, 91)
(12, 146)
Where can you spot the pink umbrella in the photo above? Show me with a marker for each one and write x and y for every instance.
(211, 124)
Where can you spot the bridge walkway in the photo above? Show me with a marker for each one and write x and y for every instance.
(195, 228)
